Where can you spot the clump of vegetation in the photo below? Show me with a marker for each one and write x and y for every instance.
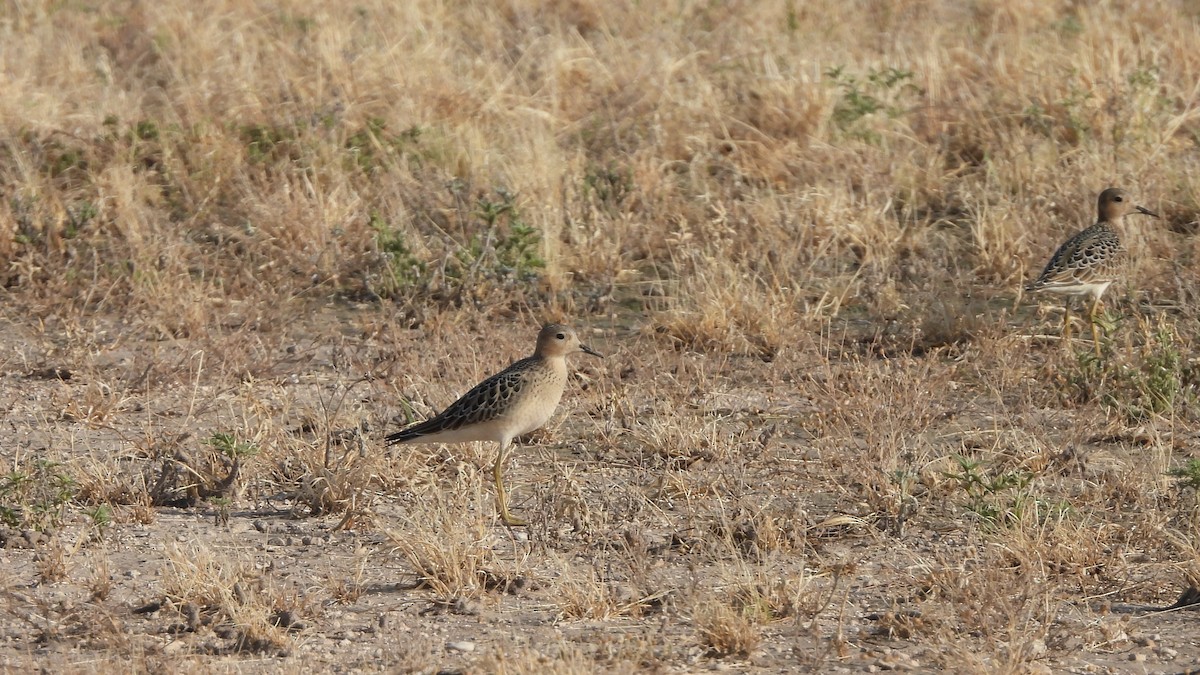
(1003, 499)
(403, 269)
(372, 147)
(1152, 380)
(231, 446)
(889, 92)
(726, 630)
(502, 250)
(1187, 477)
(507, 248)
(36, 496)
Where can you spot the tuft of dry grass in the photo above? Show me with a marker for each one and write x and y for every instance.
(725, 630)
(214, 592)
(447, 542)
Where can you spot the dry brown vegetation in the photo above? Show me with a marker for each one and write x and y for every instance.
(242, 241)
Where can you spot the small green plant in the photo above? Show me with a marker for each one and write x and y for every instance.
(372, 146)
(78, 218)
(1069, 26)
(65, 161)
(36, 497)
(1075, 105)
(1151, 381)
(265, 143)
(146, 130)
(1187, 477)
(101, 518)
(1065, 120)
(1158, 381)
(793, 18)
(10, 516)
(1144, 78)
(887, 91)
(403, 268)
(508, 247)
(1036, 118)
(1002, 499)
(364, 144)
(223, 504)
(1086, 379)
(231, 447)
(608, 186)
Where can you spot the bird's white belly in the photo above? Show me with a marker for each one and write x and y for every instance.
(492, 430)
(1094, 289)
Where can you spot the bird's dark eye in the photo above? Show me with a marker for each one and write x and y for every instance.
(1118, 198)
(561, 336)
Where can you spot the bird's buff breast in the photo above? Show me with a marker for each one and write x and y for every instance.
(534, 413)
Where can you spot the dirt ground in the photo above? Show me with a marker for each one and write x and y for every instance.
(801, 512)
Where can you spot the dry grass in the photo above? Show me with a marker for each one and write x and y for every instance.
(240, 244)
(212, 591)
(448, 541)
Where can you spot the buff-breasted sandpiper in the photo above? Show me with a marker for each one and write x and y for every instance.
(1087, 263)
(515, 401)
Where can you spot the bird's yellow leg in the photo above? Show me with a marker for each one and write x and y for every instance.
(1095, 331)
(1066, 331)
(501, 498)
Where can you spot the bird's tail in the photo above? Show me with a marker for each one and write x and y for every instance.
(413, 430)
(401, 436)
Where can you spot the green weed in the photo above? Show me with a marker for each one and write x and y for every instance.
(78, 218)
(37, 496)
(373, 147)
(1151, 381)
(403, 268)
(507, 249)
(146, 130)
(608, 186)
(1086, 378)
(1002, 499)
(231, 447)
(1068, 26)
(1065, 120)
(268, 144)
(887, 91)
(223, 504)
(101, 518)
(1187, 477)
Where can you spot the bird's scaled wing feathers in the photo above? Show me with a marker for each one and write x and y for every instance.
(486, 401)
(1085, 255)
